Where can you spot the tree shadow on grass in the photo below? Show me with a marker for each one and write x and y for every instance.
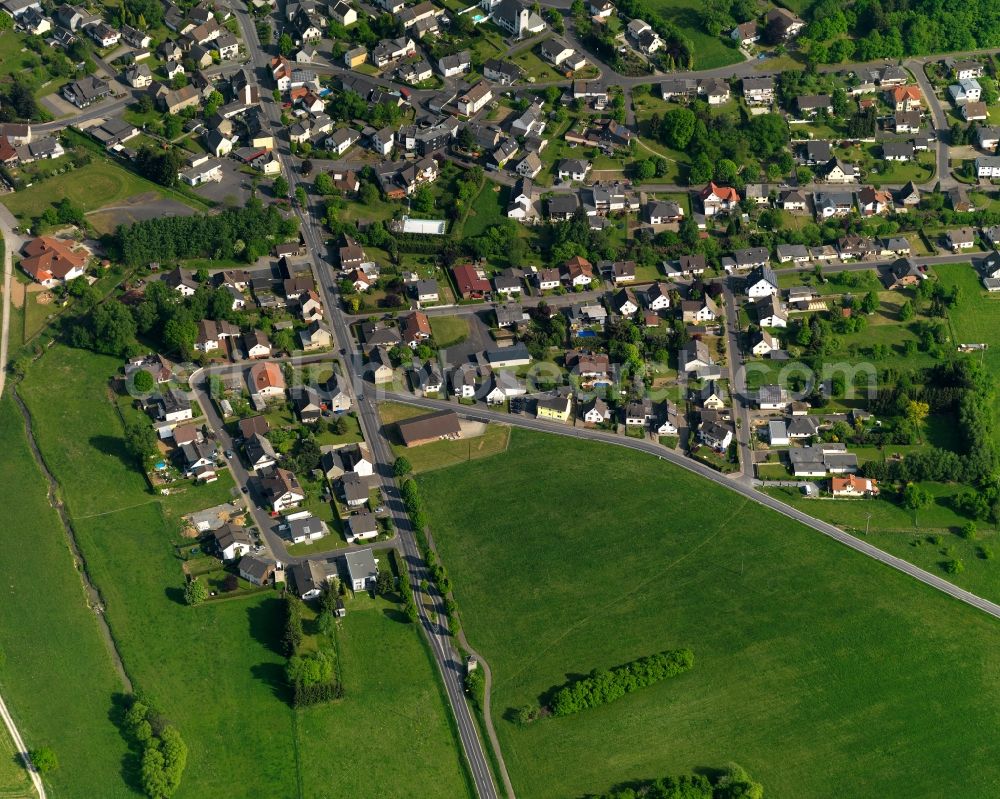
(175, 594)
(395, 614)
(115, 447)
(273, 676)
(131, 765)
(546, 698)
(267, 623)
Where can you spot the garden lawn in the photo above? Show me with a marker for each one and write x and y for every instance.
(976, 319)
(819, 670)
(449, 330)
(58, 679)
(487, 209)
(90, 187)
(390, 735)
(710, 52)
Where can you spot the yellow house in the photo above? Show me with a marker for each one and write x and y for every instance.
(262, 140)
(556, 408)
(355, 57)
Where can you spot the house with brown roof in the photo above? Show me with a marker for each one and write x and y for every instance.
(470, 281)
(578, 271)
(256, 345)
(415, 328)
(429, 427)
(253, 425)
(51, 261)
(266, 380)
(282, 490)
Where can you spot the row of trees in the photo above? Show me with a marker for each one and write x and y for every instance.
(602, 687)
(311, 675)
(734, 783)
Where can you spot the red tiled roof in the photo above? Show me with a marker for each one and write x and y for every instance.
(46, 258)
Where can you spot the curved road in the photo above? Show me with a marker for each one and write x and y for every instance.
(738, 486)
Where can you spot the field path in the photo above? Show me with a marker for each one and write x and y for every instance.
(22, 750)
(8, 274)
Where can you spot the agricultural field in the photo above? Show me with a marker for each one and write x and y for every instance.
(812, 663)
(14, 780)
(58, 679)
(393, 704)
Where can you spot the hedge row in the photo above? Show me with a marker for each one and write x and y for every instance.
(602, 687)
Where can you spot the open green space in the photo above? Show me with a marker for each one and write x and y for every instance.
(216, 671)
(14, 780)
(449, 330)
(976, 318)
(90, 187)
(710, 52)
(58, 679)
(819, 670)
(390, 734)
(439, 454)
(488, 209)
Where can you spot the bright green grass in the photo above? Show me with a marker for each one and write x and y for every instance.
(819, 670)
(14, 781)
(439, 454)
(710, 52)
(449, 330)
(886, 514)
(976, 319)
(58, 680)
(215, 670)
(487, 209)
(82, 440)
(90, 187)
(390, 735)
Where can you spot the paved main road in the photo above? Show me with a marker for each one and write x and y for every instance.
(738, 486)
(451, 668)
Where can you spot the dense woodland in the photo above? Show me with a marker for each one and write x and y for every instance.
(245, 233)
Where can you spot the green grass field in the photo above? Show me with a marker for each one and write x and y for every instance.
(817, 669)
(14, 781)
(90, 187)
(976, 319)
(58, 679)
(710, 52)
(216, 670)
(449, 330)
(488, 209)
(392, 705)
